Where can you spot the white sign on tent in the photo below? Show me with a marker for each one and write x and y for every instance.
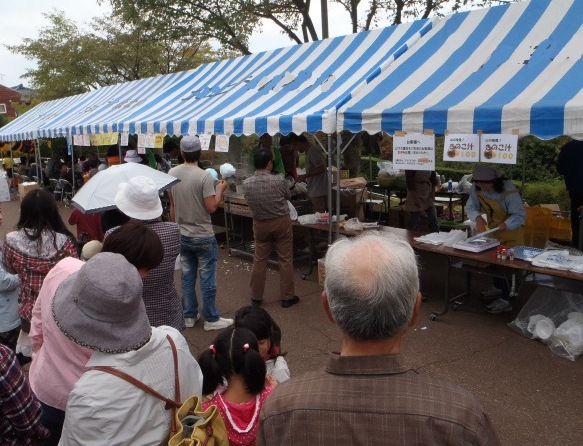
(461, 147)
(414, 151)
(205, 141)
(221, 143)
(500, 149)
(125, 139)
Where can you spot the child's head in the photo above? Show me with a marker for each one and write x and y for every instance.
(263, 327)
(234, 351)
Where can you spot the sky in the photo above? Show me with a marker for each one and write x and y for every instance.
(24, 18)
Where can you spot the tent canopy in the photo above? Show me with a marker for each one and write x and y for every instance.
(293, 89)
(516, 66)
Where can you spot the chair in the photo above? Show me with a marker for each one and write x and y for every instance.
(537, 226)
(66, 192)
(374, 196)
(54, 185)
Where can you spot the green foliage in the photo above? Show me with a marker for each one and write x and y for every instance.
(552, 191)
(3, 120)
(71, 61)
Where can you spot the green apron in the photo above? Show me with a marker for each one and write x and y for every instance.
(496, 215)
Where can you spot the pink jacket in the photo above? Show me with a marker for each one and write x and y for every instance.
(57, 362)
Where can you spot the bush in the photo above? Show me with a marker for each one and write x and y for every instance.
(546, 192)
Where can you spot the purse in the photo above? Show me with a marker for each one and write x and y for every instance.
(197, 427)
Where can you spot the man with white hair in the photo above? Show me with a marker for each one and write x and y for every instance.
(366, 394)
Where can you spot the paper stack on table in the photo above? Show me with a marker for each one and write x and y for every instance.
(442, 238)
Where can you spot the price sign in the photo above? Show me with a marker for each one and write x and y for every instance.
(149, 140)
(125, 137)
(414, 151)
(500, 149)
(158, 140)
(142, 139)
(461, 147)
(221, 143)
(205, 141)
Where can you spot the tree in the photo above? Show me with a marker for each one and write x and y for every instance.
(70, 62)
(231, 22)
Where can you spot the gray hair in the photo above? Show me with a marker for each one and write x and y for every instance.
(372, 283)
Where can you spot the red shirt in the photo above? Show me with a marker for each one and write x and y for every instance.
(88, 223)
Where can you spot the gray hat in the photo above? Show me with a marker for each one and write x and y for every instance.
(139, 198)
(132, 156)
(485, 173)
(101, 307)
(190, 143)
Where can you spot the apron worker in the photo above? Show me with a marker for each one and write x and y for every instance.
(491, 194)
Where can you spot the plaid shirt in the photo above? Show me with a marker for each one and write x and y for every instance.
(266, 195)
(372, 400)
(20, 411)
(32, 260)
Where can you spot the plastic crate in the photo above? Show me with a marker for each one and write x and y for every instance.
(560, 229)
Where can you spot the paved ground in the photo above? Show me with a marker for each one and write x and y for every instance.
(532, 396)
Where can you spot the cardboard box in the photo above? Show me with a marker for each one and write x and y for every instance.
(350, 199)
(553, 207)
(24, 188)
(344, 174)
(321, 272)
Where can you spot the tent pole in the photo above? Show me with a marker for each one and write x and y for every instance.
(38, 161)
(338, 155)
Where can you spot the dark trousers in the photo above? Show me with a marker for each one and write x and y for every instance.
(576, 202)
(52, 419)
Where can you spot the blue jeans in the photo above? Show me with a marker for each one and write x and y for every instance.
(53, 419)
(431, 216)
(199, 256)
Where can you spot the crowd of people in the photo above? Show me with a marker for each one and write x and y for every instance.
(102, 319)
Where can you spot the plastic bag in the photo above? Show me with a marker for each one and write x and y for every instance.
(227, 171)
(354, 224)
(293, 214)
(463, 185)
(548, 308)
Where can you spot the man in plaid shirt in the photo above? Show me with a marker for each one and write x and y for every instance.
(20, 410)
(267, 196)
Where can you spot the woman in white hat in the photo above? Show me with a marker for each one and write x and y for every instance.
(491, 194)
(139, 199)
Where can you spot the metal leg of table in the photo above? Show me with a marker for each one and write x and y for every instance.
(453, 302)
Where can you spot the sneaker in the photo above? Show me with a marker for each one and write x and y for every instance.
(499, 306)
(218, 324)
(190, 321)
(490, 293)
(286, 303)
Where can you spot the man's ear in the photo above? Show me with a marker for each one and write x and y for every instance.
(416, 311)
(326, 306)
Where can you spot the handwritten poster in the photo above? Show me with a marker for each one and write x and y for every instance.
(500, 149)
(414, 151)
(125, 137)
(461, 148)
(205, 141)
(221, 143)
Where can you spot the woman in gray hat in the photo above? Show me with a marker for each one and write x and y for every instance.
(100, 307)
(491, 194)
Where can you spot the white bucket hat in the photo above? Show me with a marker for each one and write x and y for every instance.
(139, 199)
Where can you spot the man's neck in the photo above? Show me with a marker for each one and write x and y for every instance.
(194, 163)
(351, 347)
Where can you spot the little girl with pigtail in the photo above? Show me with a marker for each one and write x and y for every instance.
(234, 357)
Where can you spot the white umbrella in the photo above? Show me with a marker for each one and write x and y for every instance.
(98, 194)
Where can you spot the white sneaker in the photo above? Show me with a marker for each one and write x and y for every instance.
(490, 293)
(190, 321)
(499, 306)
(218, 324)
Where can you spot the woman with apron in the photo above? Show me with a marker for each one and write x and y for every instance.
(499, 200)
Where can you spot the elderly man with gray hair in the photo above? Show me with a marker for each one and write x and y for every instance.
(366, 393)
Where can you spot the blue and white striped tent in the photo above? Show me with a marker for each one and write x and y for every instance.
(517, 66)
(293, 89)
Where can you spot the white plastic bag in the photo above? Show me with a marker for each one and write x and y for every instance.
(293, 214)
(354, 224)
